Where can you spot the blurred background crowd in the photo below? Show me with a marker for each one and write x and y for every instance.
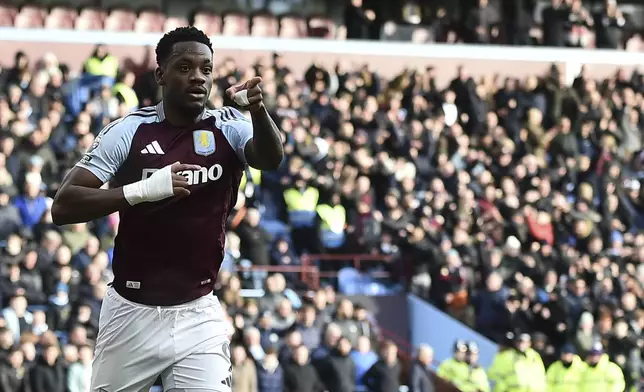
(559, 23)
(514, 206)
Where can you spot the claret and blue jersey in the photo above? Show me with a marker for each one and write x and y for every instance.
(169, 252)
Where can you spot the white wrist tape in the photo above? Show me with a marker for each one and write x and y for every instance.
(157, 187)
(241, 98)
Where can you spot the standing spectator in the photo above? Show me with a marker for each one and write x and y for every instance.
(384, 375)
(311, 333)
(609, 23)
(17, 317)
(422, 380)
(14, 376)
(79, 376)
(344, 319)
(299, 375)
(337, 370)
(244, 373)
(10, 220)
(31, 205)
(479, 23)
(270, 374)
(332, 335)
(358, 20)
(49, 374)
(554, 23)
(363, 358)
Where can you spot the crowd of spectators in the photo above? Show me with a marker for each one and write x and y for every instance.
(561, 23)
(515, 205)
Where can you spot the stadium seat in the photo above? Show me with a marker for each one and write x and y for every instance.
(7, 14)
(116, 24)
(60, 18)
(292, 27)
(28, 20)
(174, 22)
(90, 19)
(34, 10)
(264, 26)
(235, 24)
(208, 23)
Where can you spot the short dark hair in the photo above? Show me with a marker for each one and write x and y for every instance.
(180, 34)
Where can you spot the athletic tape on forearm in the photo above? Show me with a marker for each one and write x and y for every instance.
(155, 188)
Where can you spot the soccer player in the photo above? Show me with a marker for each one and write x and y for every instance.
(174, 171)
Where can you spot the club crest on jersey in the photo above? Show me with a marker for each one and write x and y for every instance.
(204, 142)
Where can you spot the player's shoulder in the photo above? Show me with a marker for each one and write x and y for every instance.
(225, 115)
(128, 124)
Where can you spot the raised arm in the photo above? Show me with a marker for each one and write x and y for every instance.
(265, 150)
(80, 198)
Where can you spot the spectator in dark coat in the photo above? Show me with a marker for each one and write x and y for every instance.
(270, 375)
(13, 375)
(490, 305)
(338, 370)
(384, 375)
(422, 379)
(49, 373)
(299, 375)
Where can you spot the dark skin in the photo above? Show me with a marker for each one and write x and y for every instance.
(186, 82)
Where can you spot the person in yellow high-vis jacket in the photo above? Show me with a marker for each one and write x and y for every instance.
(101, 63)
(301, 203)
(124, 91)
(477, 380)
(518, 369)
(601, 375)
(565, 374)
(455, 369)
(248, 187)
(333, 220)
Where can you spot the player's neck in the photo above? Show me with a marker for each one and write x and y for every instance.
(179, 118)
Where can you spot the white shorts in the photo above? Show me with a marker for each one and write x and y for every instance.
(187, 345)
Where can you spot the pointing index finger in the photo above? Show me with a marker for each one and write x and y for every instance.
(253, 82)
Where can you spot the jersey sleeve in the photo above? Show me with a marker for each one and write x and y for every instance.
(238, 130)
(110, 150)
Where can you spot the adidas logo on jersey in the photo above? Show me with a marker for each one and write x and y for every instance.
(153, 148)
(194, 177)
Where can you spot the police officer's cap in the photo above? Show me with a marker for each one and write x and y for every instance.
(460, 345)
(472, 347)
(568, 349)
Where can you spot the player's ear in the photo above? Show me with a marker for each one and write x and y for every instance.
(158, 75)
